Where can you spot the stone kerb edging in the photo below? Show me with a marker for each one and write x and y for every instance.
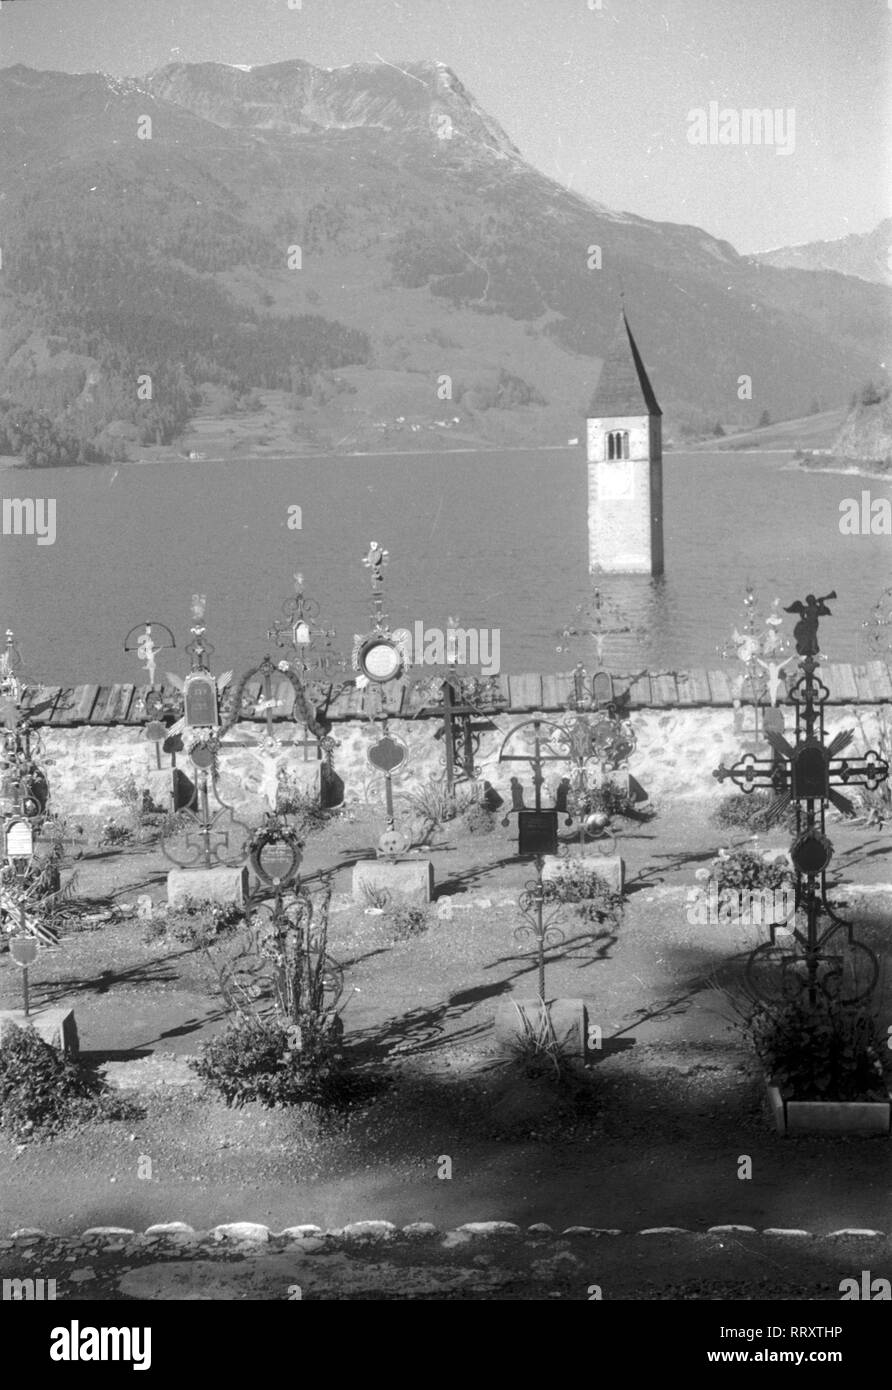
(478, 1260)
(309, 1237)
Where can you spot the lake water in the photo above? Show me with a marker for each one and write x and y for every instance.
(496, 540)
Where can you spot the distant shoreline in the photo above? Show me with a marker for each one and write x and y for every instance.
(848, 470)
(12, 461)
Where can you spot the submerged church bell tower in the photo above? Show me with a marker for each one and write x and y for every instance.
(625, 465)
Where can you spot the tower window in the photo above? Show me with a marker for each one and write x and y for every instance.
(618, 444)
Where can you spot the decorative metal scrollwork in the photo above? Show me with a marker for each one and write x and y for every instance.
(808, 774)
(307, 982)
(541, 910)
(243, 704)
(307, 642)
(24, 787)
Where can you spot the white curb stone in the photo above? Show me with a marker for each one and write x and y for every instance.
(854, 1231)
(490, 1228)
(246, 1231)
(369, 1230)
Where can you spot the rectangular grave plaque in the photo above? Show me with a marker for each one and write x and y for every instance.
(537, 832)
(200, 700)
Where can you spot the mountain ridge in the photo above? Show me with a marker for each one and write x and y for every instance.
(430, 253)
(864, 255)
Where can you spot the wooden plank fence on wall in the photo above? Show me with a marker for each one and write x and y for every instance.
(869, 683)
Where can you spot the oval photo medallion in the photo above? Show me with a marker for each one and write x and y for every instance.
(202, 755)
(380, 659)
(278, 860)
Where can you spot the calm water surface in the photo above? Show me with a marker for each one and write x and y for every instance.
(496, 540)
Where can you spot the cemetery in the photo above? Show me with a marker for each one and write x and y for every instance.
(341, 938)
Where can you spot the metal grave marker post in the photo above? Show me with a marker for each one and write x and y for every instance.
(763, 652)
(18, 850)
(295, 689)
(24, 951)
(809, 773)
(141, 639)
(23, 783)
(387, 755)
(540, 912)
(307, 981)
(308, 647)
(381, 660)
(198, 833)
(460, 703)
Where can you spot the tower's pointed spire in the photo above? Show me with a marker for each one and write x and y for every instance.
(623, 386)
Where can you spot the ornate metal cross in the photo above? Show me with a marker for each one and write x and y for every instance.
(381, 660)
(536, 759)
(23, 783)
(458, 707)
(308, 646)
(540, 912)
(193, 833)
(147, 648)
(809, 773)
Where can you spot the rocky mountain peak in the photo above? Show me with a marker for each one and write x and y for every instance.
(296, 98)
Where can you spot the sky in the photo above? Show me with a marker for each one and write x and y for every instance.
(598, 94)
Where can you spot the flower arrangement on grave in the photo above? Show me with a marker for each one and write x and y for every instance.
(744, 869)
(274, 830)
(202, 737)
(825, 1049)
(283, 992)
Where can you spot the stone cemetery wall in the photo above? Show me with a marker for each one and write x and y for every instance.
(684, 724)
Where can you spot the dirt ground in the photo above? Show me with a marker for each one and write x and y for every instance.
(671, 1103)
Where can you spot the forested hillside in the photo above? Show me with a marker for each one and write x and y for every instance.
(277, 225)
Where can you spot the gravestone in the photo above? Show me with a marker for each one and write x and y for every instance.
(608, 867)
(220, 884)
(56, 1026)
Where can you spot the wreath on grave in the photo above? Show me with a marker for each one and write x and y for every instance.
(274, 831)
(197, 739)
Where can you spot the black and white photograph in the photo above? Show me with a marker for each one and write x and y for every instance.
(446, 670)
